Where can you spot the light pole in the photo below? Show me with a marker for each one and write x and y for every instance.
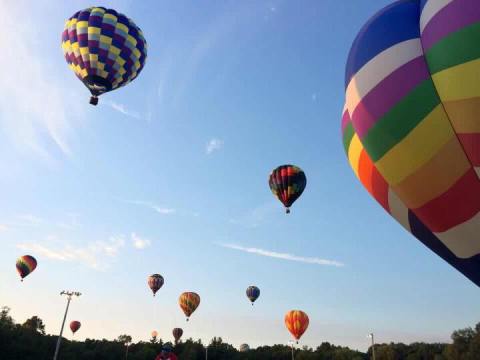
(206, 352)
(126, 353)
(69, 295)
(373, 345)
(292, 344)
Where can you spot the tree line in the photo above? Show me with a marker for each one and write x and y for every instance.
(28, 341)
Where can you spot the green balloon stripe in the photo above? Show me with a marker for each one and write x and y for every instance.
(455, 49)
(400, 120)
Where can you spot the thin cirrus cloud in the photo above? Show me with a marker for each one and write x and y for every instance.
(43, 124)
(283, 256)
(97, 255)
(139, 242)
(121, 108)
(159, 209)
(214, 145)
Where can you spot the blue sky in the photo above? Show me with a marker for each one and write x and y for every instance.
(169, 175)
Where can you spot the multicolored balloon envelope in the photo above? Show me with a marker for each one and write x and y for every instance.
(411, 123)
(253, 293)
(74, 326)
(104, 48)
(287, 183)
(25, 265)
(296, 322)
(189, 302)
(155, 282)
(177, 334)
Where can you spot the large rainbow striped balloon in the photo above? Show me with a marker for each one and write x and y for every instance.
(411, 123)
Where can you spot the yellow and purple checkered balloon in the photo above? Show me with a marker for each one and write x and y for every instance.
(104, 48)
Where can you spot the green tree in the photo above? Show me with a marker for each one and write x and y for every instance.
(34, 324)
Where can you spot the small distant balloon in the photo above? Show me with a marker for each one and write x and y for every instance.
(25, 265)
(244, 348)
(253, 293)
(74, 326)
(154, 333)
(296, 322)
(155, 282)
(287, 183)
(189, 302)
(177, 334)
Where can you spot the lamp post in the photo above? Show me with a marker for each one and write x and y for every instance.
(127, 344)
(373, 345)
(292, 344)
(206, 352)
(69, 295)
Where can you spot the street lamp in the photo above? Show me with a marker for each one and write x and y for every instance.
(292, 344)
(69, 295)
(373, 345)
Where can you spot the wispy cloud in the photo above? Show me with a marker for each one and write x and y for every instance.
(256, 216)
(28, 220)
(71, 223)
(121, 108)
(140, 243)
(157, 208)
(214, 145)
(30, 92)
(283, 256)
(96, 255)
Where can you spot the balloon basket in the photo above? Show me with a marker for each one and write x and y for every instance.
(94, 100)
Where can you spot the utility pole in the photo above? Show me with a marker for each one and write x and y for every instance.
(373, 345)
(69, 295)
(292, 343)
(206, 352)
(126, 353)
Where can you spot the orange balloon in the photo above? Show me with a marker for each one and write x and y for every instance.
(154, 333)
(296, 322)
(189, 302)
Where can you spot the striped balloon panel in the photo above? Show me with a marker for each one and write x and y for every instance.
(400, 135)
(296, 322)
(25, 265)
(253, 293)
(287, 183)
(100, 43)
(189, 301)
(450, 33)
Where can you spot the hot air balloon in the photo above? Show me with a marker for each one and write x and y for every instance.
(74, 326)
(410, 123)
(104, 48)
(296, 322)
(244, 348)
(177, 334)
(154, 334)
(189, 301)
(155, 282)
(253, 293)
(287, 183)
(25, 265)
